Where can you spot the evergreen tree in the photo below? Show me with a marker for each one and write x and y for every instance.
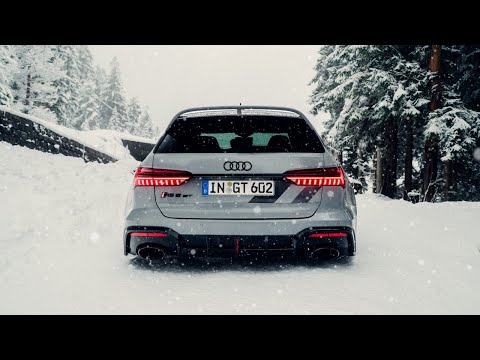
(101, 96)
(468, 76)
(68, 86)
(455, 124)
(377, 96)
(466, 171)
(117, 123)
(85, 63)
(87, 112)
(145, 125)
(78, 72)
(8, 67)
(60, 84)
(366, 89)
(88, 117)
(114, 100)
(134, 113)
(34, 84)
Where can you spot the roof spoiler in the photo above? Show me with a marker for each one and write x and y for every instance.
(240, 110)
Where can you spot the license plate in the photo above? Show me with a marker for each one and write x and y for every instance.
(238, 187)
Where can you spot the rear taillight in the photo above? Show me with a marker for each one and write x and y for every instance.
(316, 177)
(160, 177)
(148, 234)
(328, 235)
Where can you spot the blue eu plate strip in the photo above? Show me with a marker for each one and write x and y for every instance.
(204, 187)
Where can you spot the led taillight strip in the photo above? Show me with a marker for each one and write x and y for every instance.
(148, 234)
(160, 177)
(322, 235)
(332, 176)
(317, 181)
(164, 181)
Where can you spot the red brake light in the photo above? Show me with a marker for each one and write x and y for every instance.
(322, 235)
(317, 177)
(148, 234)
(160, 177)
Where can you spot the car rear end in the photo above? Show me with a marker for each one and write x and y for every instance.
(234, 182)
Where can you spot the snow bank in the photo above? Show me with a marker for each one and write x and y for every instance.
(115, 134)
(106, 141)
(355, 181)
(61, 252)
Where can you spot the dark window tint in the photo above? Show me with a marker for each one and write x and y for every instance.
(239, 134)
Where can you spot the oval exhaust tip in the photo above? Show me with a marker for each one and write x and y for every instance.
(325, 253)
(151, 253)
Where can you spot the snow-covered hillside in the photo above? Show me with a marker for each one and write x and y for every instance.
(61, 252)
(107, 141)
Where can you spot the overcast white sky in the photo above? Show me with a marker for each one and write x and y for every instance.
(170, 78)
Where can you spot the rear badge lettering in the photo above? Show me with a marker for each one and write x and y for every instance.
(165, 194)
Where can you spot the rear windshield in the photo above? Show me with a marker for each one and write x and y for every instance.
(239, 134)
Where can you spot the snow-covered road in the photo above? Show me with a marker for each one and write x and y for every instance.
(61, 252)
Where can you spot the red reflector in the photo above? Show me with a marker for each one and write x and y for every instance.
(317, 177)
(322, 235)
(148, 234)
(160, 177)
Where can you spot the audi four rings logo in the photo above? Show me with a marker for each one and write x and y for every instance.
(237, 165)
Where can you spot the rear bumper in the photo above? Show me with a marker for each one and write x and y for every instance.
(267, 235)
(300, 245)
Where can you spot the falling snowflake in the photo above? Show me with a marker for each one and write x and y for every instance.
(94, 237)
(476, 154)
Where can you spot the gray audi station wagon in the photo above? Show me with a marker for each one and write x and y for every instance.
(240, 181)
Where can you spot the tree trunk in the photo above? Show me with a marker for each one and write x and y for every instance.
(447, 176)
(431, 144)
(408, 159)
(340, 157)
(27, 95)
(358, 170)
(379, 172)
(390, 167)
(435, 67)
(431, 168)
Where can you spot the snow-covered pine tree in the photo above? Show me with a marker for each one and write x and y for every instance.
(88, 117)
(101, 94)
(134, 113)
(117, 123)
(69, 85)
(456, 128)
(115, 100)
(366, 90)
(145, 125)
(8, 67)
(466, 174)
(412, 117)
(85, 63)
(33, 85)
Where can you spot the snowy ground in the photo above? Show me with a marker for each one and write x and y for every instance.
(61, 252)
